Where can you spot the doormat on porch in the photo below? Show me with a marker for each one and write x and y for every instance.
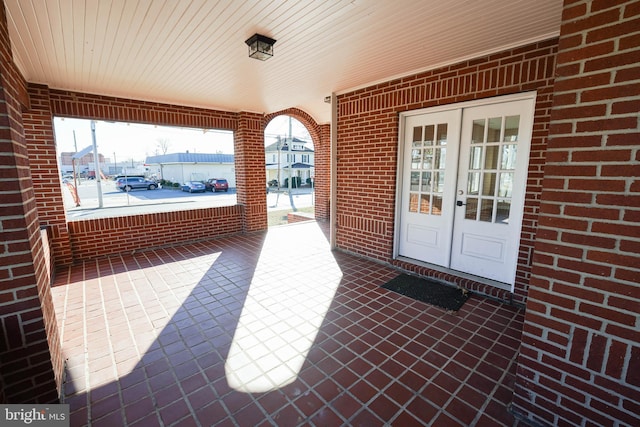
(429, 291)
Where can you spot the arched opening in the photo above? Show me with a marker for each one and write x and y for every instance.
(290, 170)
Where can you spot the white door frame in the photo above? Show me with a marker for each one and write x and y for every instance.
(400, 166)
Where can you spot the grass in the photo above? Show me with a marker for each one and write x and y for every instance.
(280, 217)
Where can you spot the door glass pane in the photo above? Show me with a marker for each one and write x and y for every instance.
(440, 158)
(415, 181)
(428, 135)
(491, 157)
(424, 203)
(413, 202)
(426, 182)
(438, 182)
(502, 212)
(471, 208)
(427, 167)
(495, 124)
(473, 186)
(441, 137)
(486, 210)
(417, 135)
(477, 132)
(427, 161)
(506, 184)
(489, 184)
(511, 127)
(436, 209)
(475, 158)
(416, 157)
(508, 160)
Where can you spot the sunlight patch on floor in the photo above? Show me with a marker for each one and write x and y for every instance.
(284, 309)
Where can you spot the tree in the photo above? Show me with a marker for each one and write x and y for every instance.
(163, 145)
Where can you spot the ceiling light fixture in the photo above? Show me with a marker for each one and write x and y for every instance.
(260, 47)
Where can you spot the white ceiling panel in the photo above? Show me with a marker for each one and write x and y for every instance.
(192, 52)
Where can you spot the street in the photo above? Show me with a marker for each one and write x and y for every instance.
(119, 203)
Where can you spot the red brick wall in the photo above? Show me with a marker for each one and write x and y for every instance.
(46, 103)
(580, 356)
(99, 237)
(31, 361)
(368, 144)
(323, 174)
(320, 136)
(38, 125)
(250, 175)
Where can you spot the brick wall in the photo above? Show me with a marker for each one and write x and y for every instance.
(368, 144)
(38, 125)
(94, 238)
(31, 360)
(580, 356)
(250, 179)
(320, 136)
(323, 174)
(46, 103)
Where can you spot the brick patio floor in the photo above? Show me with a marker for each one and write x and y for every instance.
(275, 329)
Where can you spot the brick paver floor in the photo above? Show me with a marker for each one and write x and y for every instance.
(274, 328)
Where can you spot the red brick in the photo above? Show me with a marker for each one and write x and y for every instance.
(575, 318)
(622, 332)
(627, 138)
(599, 185)
(578, 344)
(596, 352)
(614, 229)
(589, 212)
(612, 258)
(579, 292)
(607, 124)
(548, 322)
(615, 359)
(611, 61)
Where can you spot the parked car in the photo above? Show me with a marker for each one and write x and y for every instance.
(217, 184)
(193, 187)
(132, 183)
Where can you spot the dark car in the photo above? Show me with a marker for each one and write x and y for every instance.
(217, 184)
(193, 187)
(132, 183)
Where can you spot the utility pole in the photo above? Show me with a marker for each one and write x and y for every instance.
(75, 176)
(96, 161)
(289, 162)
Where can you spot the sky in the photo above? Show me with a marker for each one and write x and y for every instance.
(127, 141)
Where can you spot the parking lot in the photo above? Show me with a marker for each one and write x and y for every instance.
(119, 203)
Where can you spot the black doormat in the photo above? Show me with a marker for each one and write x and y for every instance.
(429, 291)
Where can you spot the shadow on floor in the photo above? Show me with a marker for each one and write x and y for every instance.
(274, 328)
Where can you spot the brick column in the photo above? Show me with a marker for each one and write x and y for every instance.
(38, 130)
(250, 170)
(323, 173)
(31, 363)
(580, 355)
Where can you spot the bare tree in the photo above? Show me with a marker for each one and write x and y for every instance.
(163, 145)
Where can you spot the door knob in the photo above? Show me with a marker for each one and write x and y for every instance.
(459, 203)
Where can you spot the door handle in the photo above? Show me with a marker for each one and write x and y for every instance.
(459, 203)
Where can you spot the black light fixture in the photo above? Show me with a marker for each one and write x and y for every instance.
(260, 47)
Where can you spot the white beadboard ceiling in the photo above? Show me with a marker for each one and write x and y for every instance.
(192, 52)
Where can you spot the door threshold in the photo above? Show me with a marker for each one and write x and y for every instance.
(476, 284)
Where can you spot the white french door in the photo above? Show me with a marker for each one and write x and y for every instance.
(463, 179)
(428, 194)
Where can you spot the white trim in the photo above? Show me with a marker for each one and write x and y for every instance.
(400, 165)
